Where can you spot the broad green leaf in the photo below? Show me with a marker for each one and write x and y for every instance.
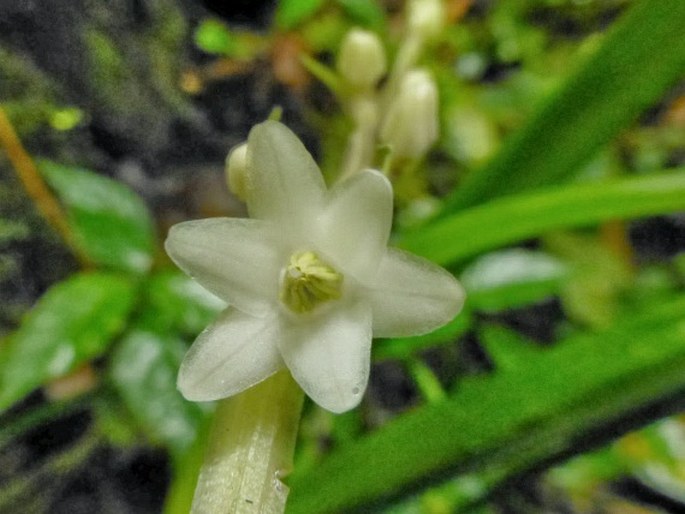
(176, 303)
(144, 369)
(75, 321)
(508, 220)
(511, 278)
(638, 61)
(511, 421)
(111, 223)
(290, 13)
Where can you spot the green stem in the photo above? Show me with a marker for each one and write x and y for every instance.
(407, 56)
(361, 143)
(250, 449)
(424, 378)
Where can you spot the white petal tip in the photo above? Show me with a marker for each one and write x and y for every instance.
(195, 389)
(338, 401)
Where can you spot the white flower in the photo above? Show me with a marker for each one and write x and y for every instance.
(309, 279)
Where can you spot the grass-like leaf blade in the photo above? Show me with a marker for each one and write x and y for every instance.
(639, 60)
(508, 220)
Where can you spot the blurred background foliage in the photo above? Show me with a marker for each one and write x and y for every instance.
(556, 193)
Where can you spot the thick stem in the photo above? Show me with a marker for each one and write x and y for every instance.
(250, 449)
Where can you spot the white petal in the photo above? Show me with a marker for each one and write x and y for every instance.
(234, 353)
(412, 296)
(329, 355)
(283, 183)
(235, 259)
(356, 225)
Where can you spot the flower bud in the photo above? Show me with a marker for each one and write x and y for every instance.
(361, 60)
(411, 124)
(425, 18)
(236, 170)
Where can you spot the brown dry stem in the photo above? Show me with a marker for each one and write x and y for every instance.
(35, 187)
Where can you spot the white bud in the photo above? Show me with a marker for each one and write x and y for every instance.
(425, 18)
(361, 60)
(411, 124)
(236, 170)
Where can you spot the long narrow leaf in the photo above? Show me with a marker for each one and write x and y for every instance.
(639, 60)
(507, 220)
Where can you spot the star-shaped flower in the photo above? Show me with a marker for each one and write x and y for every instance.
(309, 279)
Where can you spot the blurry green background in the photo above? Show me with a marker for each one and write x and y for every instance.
(556, 194)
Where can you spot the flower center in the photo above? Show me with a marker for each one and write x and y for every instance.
(308, 281)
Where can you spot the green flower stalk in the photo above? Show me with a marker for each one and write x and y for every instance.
(309, 281)
(251, 450)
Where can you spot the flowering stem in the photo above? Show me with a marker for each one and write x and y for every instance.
(250, 449)
(407, 55)
(362, 142)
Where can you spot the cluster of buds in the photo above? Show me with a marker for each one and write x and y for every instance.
(401, 113)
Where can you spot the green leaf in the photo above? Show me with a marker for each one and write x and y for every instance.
(110, 222)
(511, 278)
(508, 220)
(73, 322)
(511, 421)
(176, 303)
(635, 65)
(144, 369)
(290, 13)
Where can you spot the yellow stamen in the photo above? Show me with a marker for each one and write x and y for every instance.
(308, 281)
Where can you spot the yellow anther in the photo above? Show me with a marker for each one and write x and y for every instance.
(308, 281)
